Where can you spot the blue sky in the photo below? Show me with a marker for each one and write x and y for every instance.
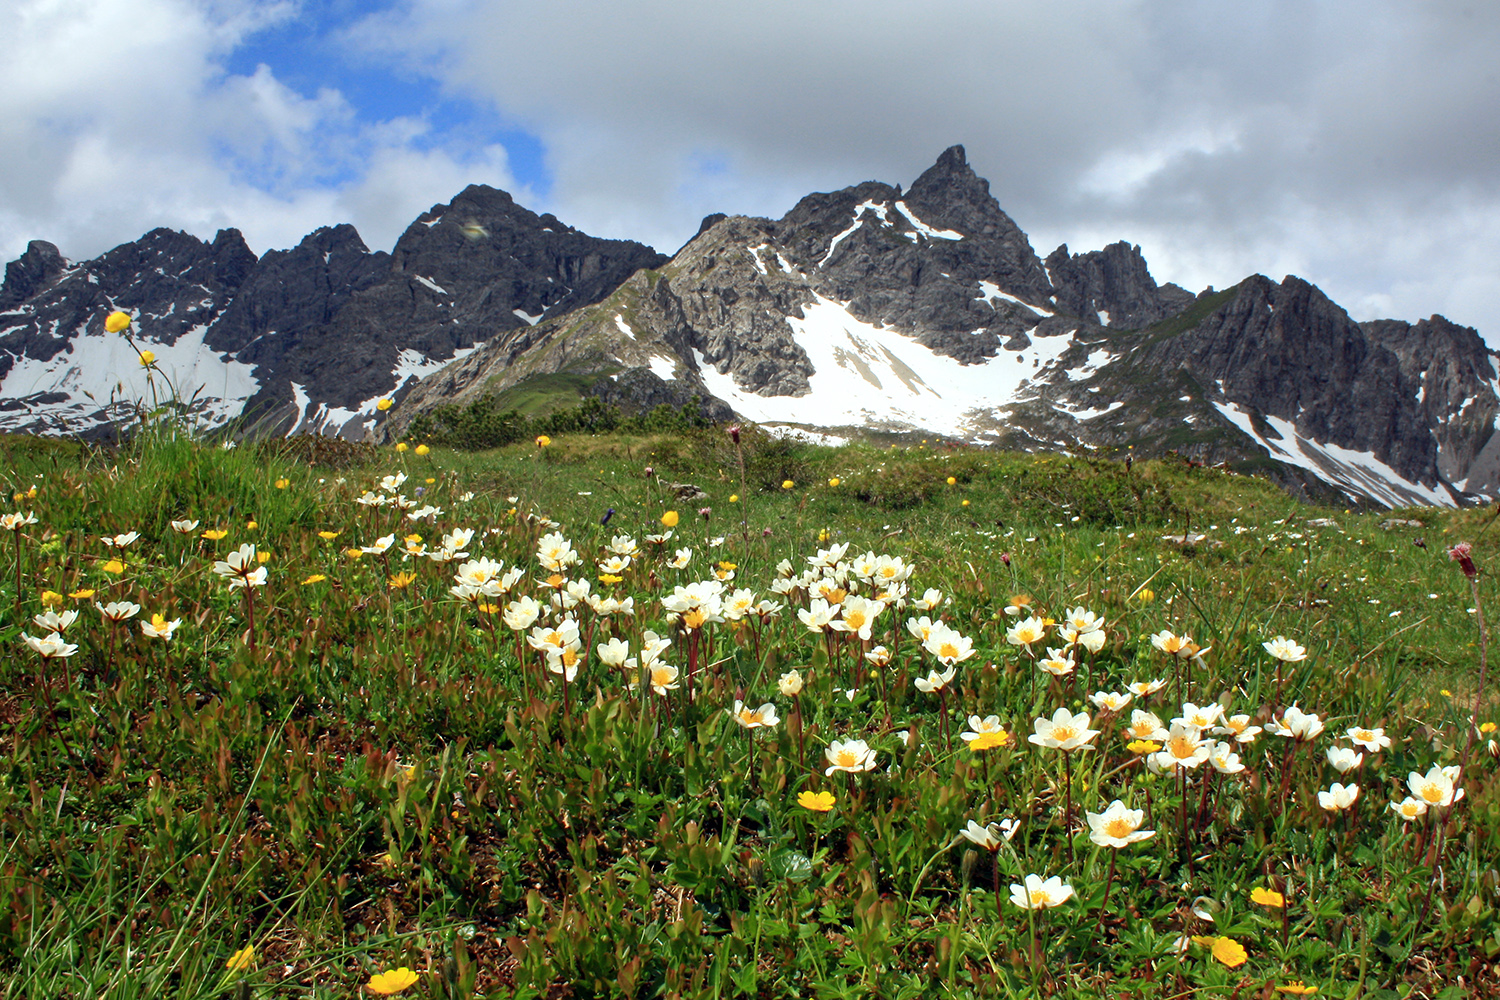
(1350, 143)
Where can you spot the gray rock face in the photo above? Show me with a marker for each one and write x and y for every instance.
(1114, 282)
(328, 322)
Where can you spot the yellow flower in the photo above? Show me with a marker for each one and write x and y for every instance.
(392, 981)
(987, 741)
(608, 578)
(86, 594)
(488, 609)
(282, 484)
(1296, 989)
(262, 556)
(1145, 595)
(401, 446)
(952, 481)
(148, 358)
(669, 519)
(315, 578)
(251, 525)
(1142, 747)
(51, 599)
(383, 405)
(834, 481)
(787, 484)
(328, 536)
(241, 960)
(1488, 727)
(1267, 897)
(353, 553)
(402, 580)
(1226, 950)
(214, 534)
(816, 801)
(965, 503)
(734, 498)
(543, 440)
(116, 321)
(422, 449)
(113, 566)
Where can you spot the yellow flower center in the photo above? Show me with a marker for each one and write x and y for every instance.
(848, 758)
(1181, 747)
(947, 651)
(1432, 792)
(1118, 827)
(855, 620)
(660, 676)
(1063, 734)
(1040, 897)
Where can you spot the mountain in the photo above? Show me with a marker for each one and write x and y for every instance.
(869, 309)
(306, 339)
(929, 311)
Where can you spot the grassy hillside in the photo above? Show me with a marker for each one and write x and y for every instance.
(350, 769)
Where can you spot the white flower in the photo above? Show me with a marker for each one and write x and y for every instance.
(159, 628)
(1091, 641)
(120, 541)
(850, 755)
(1238, 726)
(1224, 759)
(613, 653)
(53, 621)
(755, 718)
(1338, 797)
(1373, 740)
(118, 611)
(1409, 809)
(1117, 826)
(1056, 662)
(987, 726)
(1144, 689)
(1183, 747)
(817, 616)
(382, 544)
(1344, 759)
(790, 684)
(1026, 632)
(947, 645)
(1082, 620)
(1297, 724)
(1200, 718)
(238, 568)
(1435, 788)
(1064, 731)
(185, 527)
(1145, 726)
(684, 556)
(663, 678)
(992, 835)
(51, 646)
(17, 521)
(1285, 650)
(935, 681)
(859, 614)
(1037, 894)
(1110, 701)
(520, 614)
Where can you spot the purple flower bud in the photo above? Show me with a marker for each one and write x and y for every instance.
(704, 512)
(1005, 558)
(734, 433)
(1460, 554)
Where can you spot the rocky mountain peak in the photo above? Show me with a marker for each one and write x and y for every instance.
(30, 273)
(1113, 285)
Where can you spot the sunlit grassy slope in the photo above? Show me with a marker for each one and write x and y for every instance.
(351, 769)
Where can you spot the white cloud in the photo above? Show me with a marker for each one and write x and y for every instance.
(1226, 138)
(117, 116)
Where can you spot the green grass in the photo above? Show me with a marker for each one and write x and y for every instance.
(383, 783)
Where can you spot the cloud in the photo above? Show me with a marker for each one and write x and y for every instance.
(1347, 141)
(118, 116)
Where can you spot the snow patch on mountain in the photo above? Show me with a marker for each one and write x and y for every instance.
(866, 375)
(105, 367)
(1359, 471)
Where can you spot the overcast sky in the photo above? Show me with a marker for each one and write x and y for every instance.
(1354, 144)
